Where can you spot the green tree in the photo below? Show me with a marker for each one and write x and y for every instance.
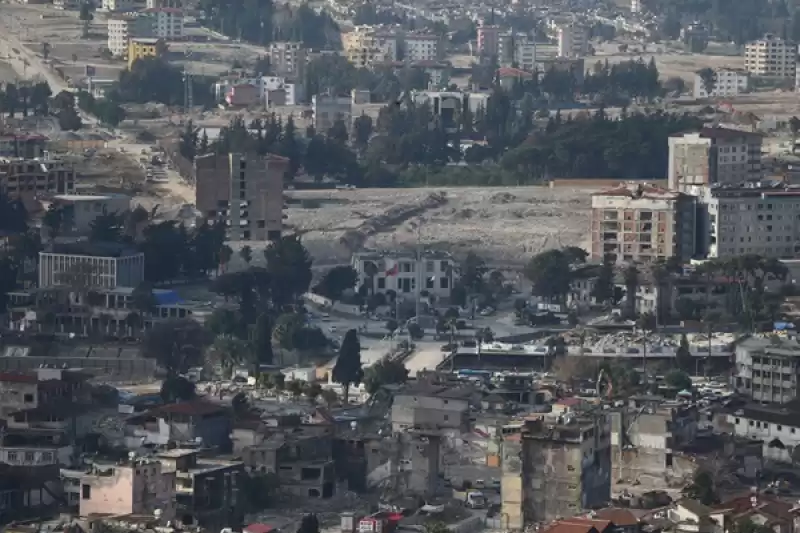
(347, 371)
(387, 371)
(550, 274)
(336, 281)
(309, 524)
(312, 391)
(107, 227)
(262, 340)
(176, 345)
(703, 488)
(86, 16)
(391, 326)
(227, 352)
(246, 253)
(54, 220)
(177, 388)
(678, 379)
(603, 289)
(683, 356)
(142, 298)
(289, 266)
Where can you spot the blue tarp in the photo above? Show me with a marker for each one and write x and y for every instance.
(780, 326)
(167, 298)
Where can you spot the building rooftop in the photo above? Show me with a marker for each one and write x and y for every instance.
(190, 408)
(641, 190)
(88, 197)
(621, 517)
(92, 249)
(437, 391)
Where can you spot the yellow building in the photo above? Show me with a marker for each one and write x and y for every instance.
(141, 47)
(362, 49)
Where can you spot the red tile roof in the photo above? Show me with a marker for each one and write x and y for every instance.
(579, 525)
(509, 72)
(764, 503)
(620, 517)
(258, 528)
(18, 377)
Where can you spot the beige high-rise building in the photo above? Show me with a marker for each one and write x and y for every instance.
(713, 155)
(771, 56)
(642, 223)
(287, 58)
(244, 191)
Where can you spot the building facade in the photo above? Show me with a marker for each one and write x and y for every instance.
(642, 223)
(405, 274)
(244, 191)
(488, 40)
(95, 265)
(137, 486)
(713, 155)
(777, 427)
(165, 22)
(573, 40)
(727, 82)
(144, 47)
(422, 47)
(80, 210)
(555, 469)
(771, 57)
(25, 146)
(327, 109)
(287, 58)
(768, 370)
(751, 219)
(431, 407)
(29, 178)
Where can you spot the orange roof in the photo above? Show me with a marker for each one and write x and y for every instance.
(620, 517)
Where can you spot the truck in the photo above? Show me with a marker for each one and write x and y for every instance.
(474, 499)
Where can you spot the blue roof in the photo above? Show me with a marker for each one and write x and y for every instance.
(167, 297)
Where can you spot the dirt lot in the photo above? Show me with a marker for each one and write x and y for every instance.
(507, 225)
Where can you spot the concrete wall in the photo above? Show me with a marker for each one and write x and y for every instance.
(113, 368)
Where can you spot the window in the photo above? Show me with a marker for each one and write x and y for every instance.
(29, 457)
(47, 457)
(12, 457)
(381, 283)
(28, 398)
(261, 224)
(444, 283)
(86, 492)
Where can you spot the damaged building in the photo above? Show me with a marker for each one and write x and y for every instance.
(646, 437)
(556, 468)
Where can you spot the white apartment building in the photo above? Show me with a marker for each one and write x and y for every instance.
(166, 22)
(770, 57)
(153, 4)
(753, 219)
(727, 82)
(122, 28)
(636, 6)
(422, 47)
(768, 369)
(405, 272)
(778, 428)
(80, 210)
(573, 40)
(713, 155)
(516, 49)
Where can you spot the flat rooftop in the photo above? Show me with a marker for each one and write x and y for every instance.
(93, 249)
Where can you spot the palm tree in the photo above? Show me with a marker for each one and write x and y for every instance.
(631, 277)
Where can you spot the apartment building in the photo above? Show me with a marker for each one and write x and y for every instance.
(153, 4)
(144, 47)
(165, 22)
(771, 57)
(405, 273)
(287, 58)
(361, 47)
(26, 146)
(327, 109)
(30, 178)
(768, 370)
(426, 406)
(488, 40)
(642, 223)
(243, 190)
(727, 82)
(448, 105)
(556, 468)
(573, 40)
(516, 48)
(112, 6)
(422, 47)
(776, 426)
(751, 219)
(100, 265)
(206, 489)
(136, 486)
(713, 155)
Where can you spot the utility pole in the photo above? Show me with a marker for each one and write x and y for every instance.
(419, 271)
(188, 96)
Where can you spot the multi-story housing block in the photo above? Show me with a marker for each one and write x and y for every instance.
(165, 22)
(422, 47)
(287, 58)
(641, 222)
(768, 369)
(713, 155)
(573, 40)
(771, 57)
(556, 468)
(26, 146)
(727, 82)
(28, 178)
(244, 191)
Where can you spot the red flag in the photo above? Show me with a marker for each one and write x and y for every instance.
(392, 271)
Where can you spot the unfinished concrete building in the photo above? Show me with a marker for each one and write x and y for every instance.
(646, 436)
(555, 469)
(244, 192)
